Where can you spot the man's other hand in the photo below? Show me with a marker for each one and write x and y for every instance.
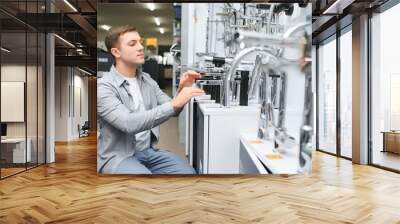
(187, 79)
(184, 96)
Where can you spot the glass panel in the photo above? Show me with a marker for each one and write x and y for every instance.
(385, 86)
(23, 84)
(327, 97)
(346, 94)
(12, 20)
(13, 87)
(14, 5)
(31, 98)
(41, 98)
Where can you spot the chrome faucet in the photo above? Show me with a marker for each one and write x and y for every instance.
(282, 138)
(306, 130)
(266, 52)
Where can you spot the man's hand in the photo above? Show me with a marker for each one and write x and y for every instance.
(184, 96)
(187, 79)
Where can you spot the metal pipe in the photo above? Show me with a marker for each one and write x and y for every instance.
(271, 12)
(306, 130)
(274, 90)
(265, 125)
(227, 60)
(281, 136)
(282, 101)
(251, 37)
(292, 31)
(262, 50)
(269, 113)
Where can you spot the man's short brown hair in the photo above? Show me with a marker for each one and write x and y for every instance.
(114, 33)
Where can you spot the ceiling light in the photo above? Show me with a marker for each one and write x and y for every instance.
(86, 72)
(80, 51)
(105, 27)
(70, 5)
(157, 20)
(5, 49)
(161, 30)
(64, 40)
(337, 7)
(151, 6)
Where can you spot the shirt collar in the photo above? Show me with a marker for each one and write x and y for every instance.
(120, 78)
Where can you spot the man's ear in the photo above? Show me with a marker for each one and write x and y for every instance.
(115, 51)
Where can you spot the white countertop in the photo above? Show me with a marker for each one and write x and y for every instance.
(287, 164)
(209, 107)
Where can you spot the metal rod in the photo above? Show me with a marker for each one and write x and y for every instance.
(255, 75)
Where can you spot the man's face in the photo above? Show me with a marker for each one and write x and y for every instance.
(129, 49)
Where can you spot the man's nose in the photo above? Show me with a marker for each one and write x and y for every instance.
(141, 48)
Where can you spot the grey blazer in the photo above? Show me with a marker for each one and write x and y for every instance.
(118, 123)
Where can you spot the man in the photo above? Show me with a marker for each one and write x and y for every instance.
(131, 107)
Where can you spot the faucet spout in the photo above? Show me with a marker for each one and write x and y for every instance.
(236, 61)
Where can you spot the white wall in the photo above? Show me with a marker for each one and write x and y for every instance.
(12, 73)
(101, 44)
(33, 125)
(193, 40)
(80, 83)
(69, 82)
(61, 103)
(216, 30)
(194, 31)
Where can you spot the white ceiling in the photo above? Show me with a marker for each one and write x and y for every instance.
(139, 16)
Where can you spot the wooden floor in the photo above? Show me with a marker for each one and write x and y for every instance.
(70, 191)
(386, 159)
(10, 171)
